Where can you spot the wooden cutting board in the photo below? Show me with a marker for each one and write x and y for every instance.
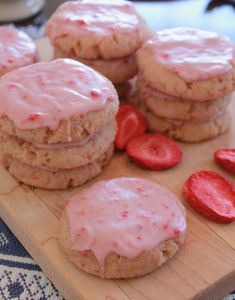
(204, 268)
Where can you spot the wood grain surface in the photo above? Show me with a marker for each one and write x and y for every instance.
(204, 268)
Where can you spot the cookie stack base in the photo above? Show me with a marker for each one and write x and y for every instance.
(184, 120)
(187, 131)
(57, 179)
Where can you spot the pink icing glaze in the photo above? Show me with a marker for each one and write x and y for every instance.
(80, 18)
(16, 49)
(125, 216)
(192, 54)
(43, 94)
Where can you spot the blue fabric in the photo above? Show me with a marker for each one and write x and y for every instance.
(20, 277)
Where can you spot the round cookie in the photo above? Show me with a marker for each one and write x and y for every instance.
(16, 49)
(189, 63)
(136, 226)
(166, 106)
(187, 131)
(57, 179)
(59, 156)
(116, 70)
(97, 29)
(60, 101)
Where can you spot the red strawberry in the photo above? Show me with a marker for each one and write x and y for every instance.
(226, 159)
(154, 151)
(131, 123)
(212, 195)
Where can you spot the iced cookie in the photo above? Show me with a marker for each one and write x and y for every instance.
(122, 228)
(97, 29)
(16, 49)
(104, 35)
(189, 63)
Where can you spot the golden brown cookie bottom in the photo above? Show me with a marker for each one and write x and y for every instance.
(63, 156)
(181, 130)
(166, 106)
(117, 266)
(59, 179)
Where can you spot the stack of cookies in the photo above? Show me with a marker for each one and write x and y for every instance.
(16, 49)
(186, 77)
(104, 35)
(57, 123)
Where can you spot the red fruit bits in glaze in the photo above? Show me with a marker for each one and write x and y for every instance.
(226, 159)
(95, 93)
(154, 151)
(33, 117)
(212, 195)
(131, 123)
(81, 22)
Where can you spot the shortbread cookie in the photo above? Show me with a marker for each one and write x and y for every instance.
(60, 101)
(166, 106)
(116, 70)
(187, 131)
(122, 228)
(189, 63)
(97, 29)
(61, 155)
(16, 49)
(47, 178)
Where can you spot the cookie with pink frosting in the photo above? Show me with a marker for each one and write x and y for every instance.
(122, 228)
(189, 63)
(57, 123)
(102, 34)
(56, 102)
(16, 49)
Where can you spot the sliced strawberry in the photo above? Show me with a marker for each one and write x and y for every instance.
(226, 159)
(212, 195)
(154, 151)
(131, 123)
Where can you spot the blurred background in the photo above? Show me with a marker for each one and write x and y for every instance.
(214, 15)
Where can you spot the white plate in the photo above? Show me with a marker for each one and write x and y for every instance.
(16, 10)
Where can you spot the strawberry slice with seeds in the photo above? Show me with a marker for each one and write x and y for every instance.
(154, 151)
(212, 195)
(131, 123)
(226, 159)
